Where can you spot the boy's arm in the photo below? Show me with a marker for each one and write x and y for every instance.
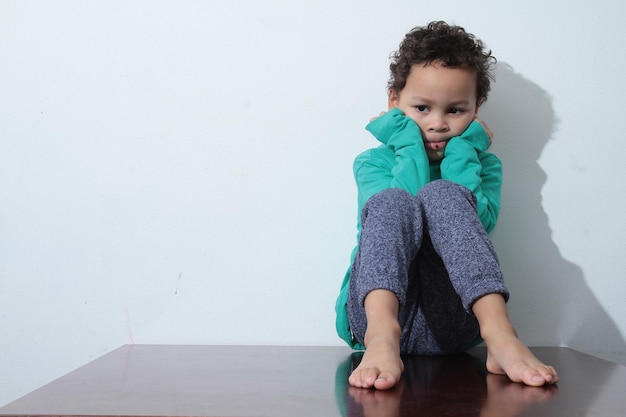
(466, 162)
(402, 163)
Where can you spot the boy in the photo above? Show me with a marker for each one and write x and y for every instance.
(424, 278)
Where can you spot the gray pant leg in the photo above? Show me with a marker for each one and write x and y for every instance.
(395, 254)
(460, 240)
(390, 239)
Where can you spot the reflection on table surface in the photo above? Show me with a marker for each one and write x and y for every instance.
(312, 381)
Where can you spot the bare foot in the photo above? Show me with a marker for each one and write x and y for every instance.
(381, 366)
(507, 355)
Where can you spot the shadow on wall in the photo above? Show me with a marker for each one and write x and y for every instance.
(550, 301)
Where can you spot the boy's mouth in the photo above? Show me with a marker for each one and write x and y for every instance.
(435, 146)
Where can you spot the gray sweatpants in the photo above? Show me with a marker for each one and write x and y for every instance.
(433, 252)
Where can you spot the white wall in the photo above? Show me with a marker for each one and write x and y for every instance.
(180, 172)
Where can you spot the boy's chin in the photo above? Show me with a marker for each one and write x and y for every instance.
(435, 156)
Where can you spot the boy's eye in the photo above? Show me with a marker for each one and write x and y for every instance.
(421, 108)
(455, 110)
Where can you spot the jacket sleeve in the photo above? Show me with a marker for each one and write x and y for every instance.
(401, 163)
(467, 163)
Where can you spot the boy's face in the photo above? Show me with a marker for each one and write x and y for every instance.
(441, 100)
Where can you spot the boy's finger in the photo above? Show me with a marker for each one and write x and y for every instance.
(376, 117)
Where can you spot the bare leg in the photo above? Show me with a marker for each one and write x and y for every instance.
(506, 354)
(381, 366)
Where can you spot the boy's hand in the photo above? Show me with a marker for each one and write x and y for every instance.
(484, 125)
(376, 117)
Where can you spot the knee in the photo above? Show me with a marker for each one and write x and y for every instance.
(444, 190)
(389, 201)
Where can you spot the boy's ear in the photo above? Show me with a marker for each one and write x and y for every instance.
(392, 100)
(476, 109)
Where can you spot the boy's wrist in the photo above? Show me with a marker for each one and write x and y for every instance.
(395, 129)
(476, 136)
(385, 125)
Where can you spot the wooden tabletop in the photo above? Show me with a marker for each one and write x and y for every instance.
(274, 381)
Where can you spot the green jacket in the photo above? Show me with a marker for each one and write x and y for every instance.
(401, 162)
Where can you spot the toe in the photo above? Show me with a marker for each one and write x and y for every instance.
(385, 381)
(540, 375)
(356, 379)
(372, 375)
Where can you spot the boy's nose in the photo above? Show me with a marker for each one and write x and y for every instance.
(438, 124)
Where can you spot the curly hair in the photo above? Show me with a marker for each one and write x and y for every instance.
(449, 45)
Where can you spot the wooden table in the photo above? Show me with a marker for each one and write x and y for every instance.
(272, 381)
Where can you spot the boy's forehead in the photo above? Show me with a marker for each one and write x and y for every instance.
(433, 77)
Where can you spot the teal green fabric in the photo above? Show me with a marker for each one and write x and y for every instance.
(401, 162)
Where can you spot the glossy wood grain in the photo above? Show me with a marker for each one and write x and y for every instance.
(161, 380)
